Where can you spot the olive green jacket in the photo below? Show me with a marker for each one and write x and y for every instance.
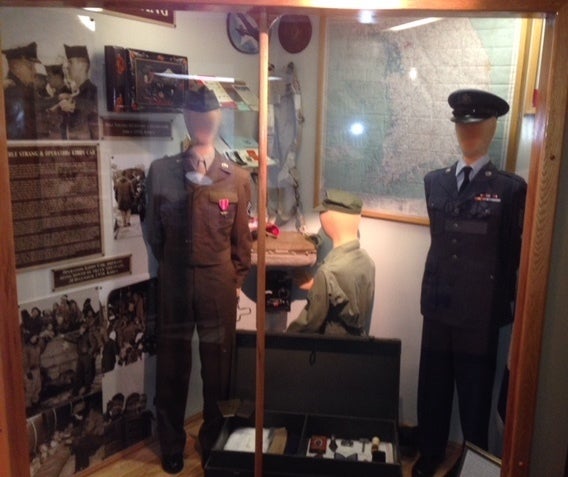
(340, 301)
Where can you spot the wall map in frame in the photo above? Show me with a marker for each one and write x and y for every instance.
(384, 111)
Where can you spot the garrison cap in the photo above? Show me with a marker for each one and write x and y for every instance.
(340, 201)
(28, 52)
(77, 51)
(474, 105)
(202, 100)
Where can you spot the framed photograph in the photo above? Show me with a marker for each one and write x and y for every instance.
(62, 340)
(146, 81)
(49, 94)
(383, 117)
(156, 86)
(69, 438)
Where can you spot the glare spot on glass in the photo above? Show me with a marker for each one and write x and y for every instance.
(413, 73)
(367, 16)
(87, 22)
(356, 129)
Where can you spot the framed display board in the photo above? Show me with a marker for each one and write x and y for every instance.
(139, 80)
(56, 203)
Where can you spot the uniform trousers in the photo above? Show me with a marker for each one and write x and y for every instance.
(202, 298)
(464, 357)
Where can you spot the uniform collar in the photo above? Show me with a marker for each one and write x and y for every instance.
(194, 157)
(219, 168)
(487, 171)
(475, 167)
(344, 248)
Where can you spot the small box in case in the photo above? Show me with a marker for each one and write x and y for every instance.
(325, 400)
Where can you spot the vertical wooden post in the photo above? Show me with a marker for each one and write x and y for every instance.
(13, 438)
(538, 231)
(261, 261)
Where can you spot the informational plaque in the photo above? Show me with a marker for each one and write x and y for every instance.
(55, 202)
(92, 271)
(114, 127)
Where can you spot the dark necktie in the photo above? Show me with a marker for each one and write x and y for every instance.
(466, 172)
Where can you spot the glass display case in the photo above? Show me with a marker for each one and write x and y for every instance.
(312, 96)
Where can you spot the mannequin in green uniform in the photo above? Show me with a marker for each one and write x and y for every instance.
(340, 297)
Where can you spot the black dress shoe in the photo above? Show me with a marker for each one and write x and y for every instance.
(172, 464)
(426, 466)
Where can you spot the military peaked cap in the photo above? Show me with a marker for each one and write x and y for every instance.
(474, 105)
(28, 52)
(78, 51)
(202, 100)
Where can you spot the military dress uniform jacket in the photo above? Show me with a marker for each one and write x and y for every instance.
(191, 225)
(471, 267)
(340, 301)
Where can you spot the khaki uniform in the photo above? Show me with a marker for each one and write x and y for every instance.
(200, 236)
(340, 301)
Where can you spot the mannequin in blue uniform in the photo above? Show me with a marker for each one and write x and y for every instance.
(468, 288)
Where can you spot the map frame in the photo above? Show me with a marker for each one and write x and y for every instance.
(407, 209)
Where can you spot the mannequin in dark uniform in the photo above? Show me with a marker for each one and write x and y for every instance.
(197, 228)
(19, 94)
(340, 297)
(468, 288)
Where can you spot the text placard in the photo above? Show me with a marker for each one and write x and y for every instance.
(93, 271)
(55, 202)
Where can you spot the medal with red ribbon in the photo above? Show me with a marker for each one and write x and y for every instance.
(224, 206)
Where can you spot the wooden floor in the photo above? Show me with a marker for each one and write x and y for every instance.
(144, 461)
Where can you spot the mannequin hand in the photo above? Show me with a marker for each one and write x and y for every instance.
(302, 279)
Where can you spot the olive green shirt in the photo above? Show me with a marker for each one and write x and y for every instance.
(340, 301)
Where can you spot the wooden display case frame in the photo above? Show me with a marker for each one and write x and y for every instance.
(546, 157)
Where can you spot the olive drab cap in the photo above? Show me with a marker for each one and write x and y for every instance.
(201, 100)
(28, 52)
(340, 201)
(474, 105)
